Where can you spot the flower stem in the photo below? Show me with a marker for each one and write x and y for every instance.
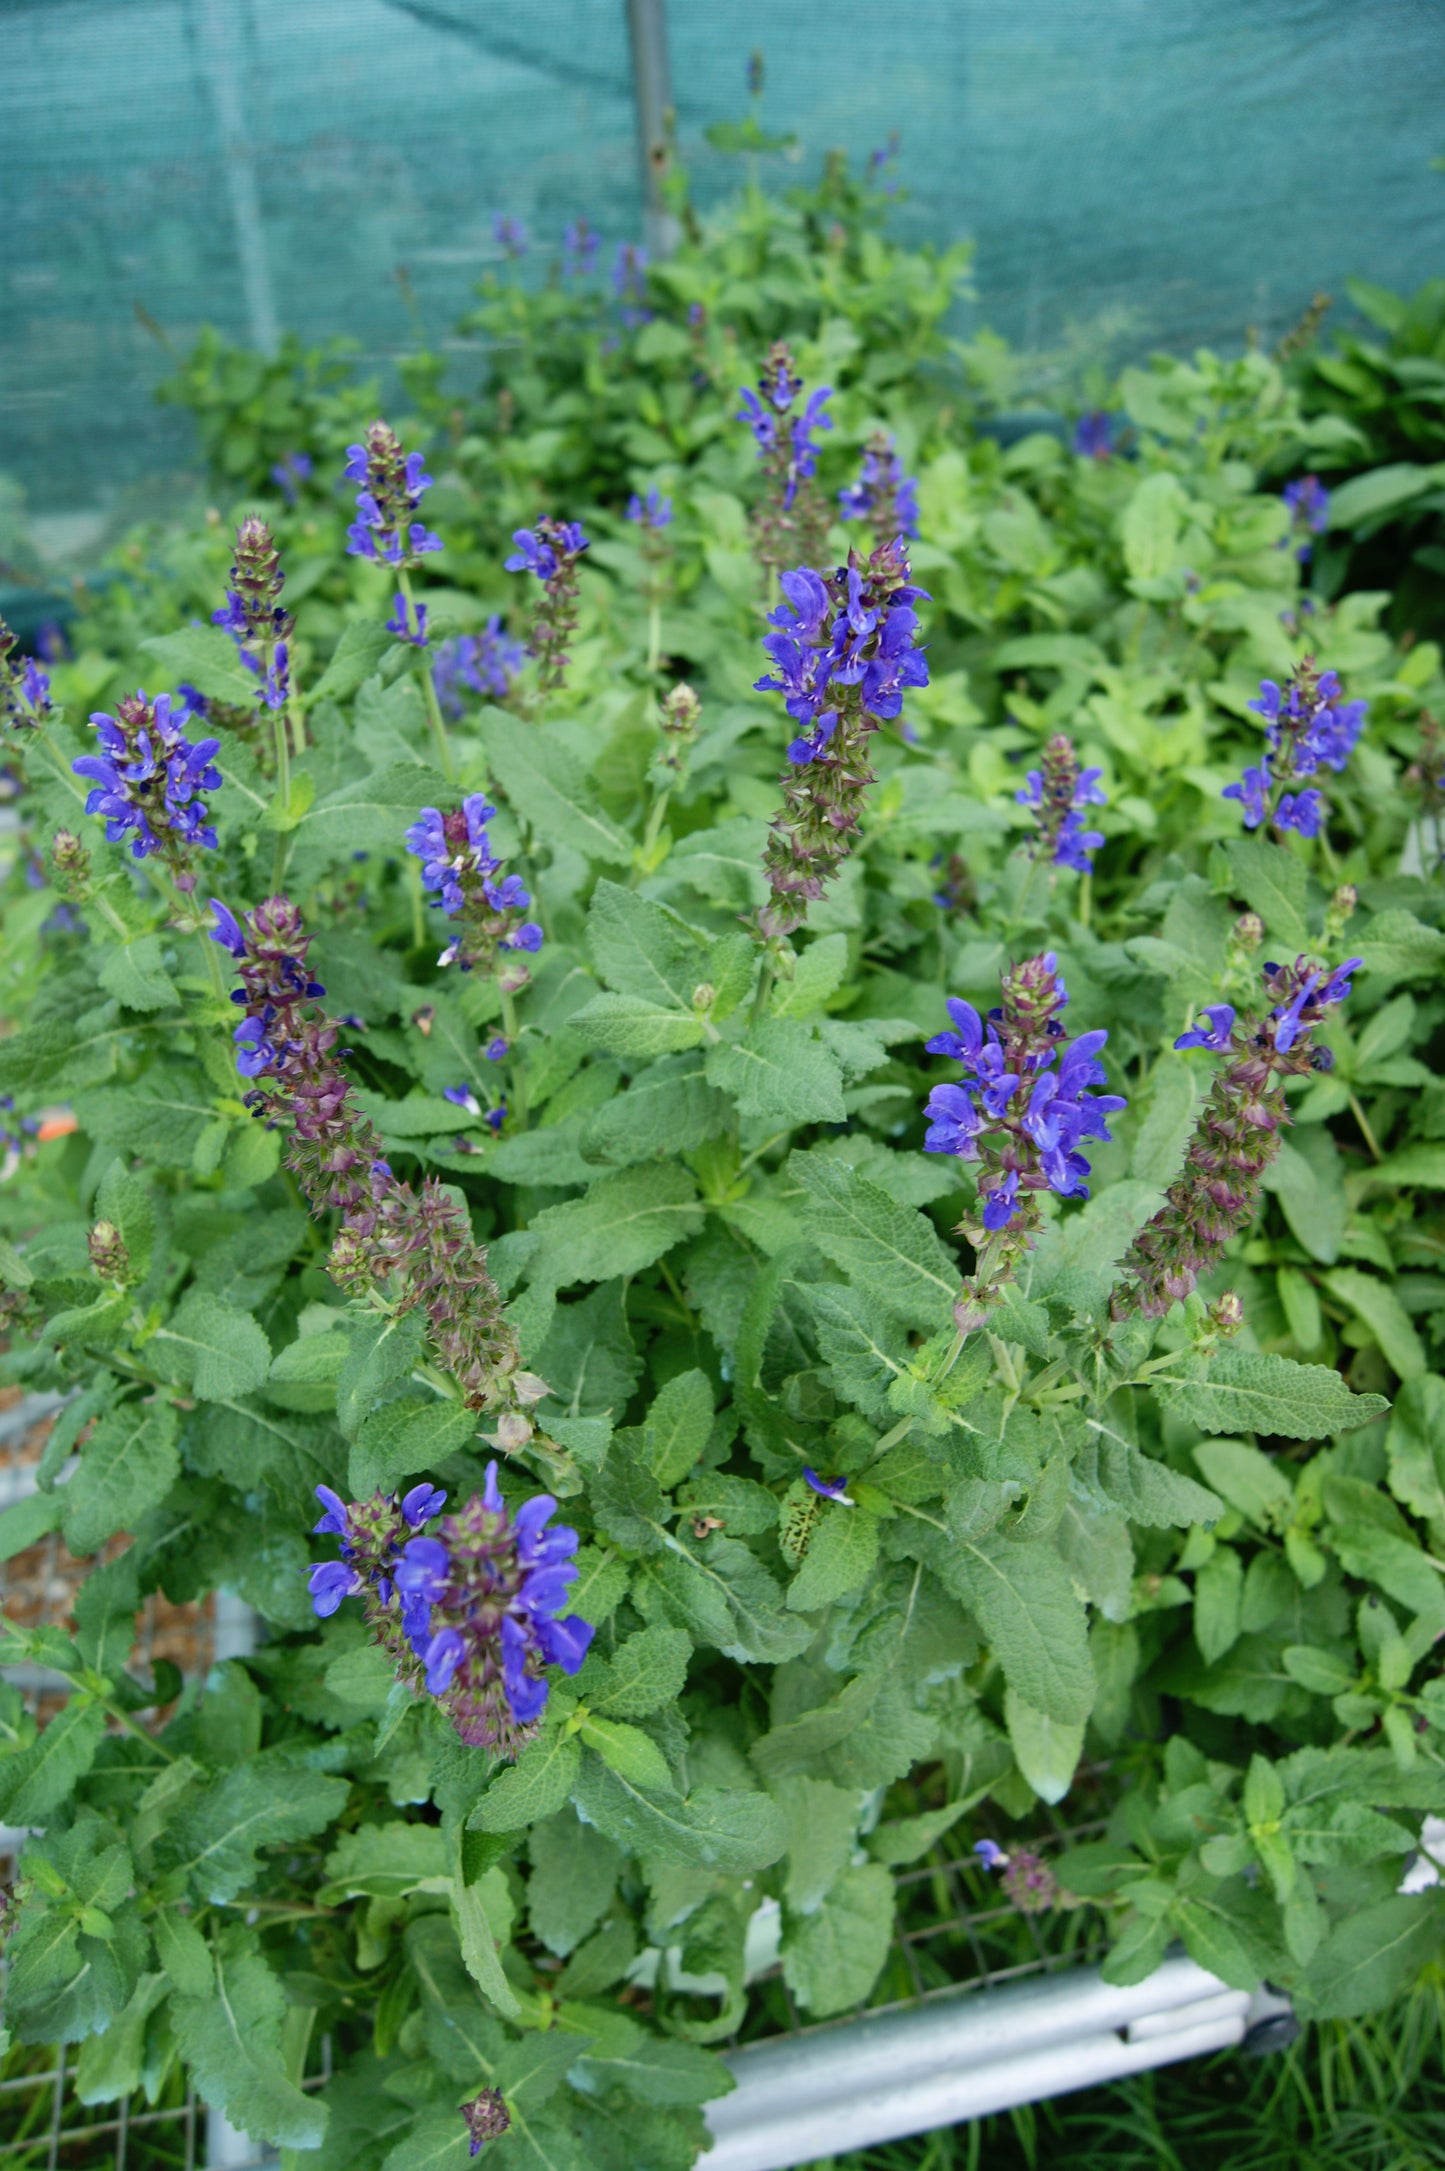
(1363, 1121)
(435, 720)
(514, 1067)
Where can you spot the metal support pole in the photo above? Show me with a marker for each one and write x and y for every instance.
(652, 97)
(215, 38)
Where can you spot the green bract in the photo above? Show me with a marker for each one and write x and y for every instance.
(1204, 1563)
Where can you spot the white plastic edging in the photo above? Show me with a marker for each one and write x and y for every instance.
(873, 2080)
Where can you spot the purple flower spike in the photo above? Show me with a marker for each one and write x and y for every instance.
(1307, 728)
(1215, 1034)
(828, 1488)
(386, 529)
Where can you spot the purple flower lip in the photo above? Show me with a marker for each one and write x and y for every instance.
(1215, 1034)
(828, 1488)
(990, 1854)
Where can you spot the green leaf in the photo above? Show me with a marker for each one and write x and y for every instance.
(35, 1782)
(574, 1876)
(386, 1861)
(534, 1787)
(1218, 1604)
(678, 1425)
(232, 2042)
(353, 660)
(1397, 946)
(839, 1559)
(1397, 1565)
(646, 1672)
(381, 1349)
(1371, 1957)
(1047, 1751)
(127, 1467)
(1240, 1389)
(184, 1954)
(630, 1025)
(1149, 526)
(1275, 884)
(111, 2065)
(25, 1522)
(1149, 1492)
(1248, 1480)
(907, 1839)
(779, 1073)
(206, 658)
(832, 1958)
(544, 782)
(1415, 1445)
(628, 1751)
(722, 1828)
(215, 1837)
(212, 1348)
(1025, 1603)
(403, 1438)
(642, 949)
(134, 973)
(669, 1108)
(370, 813)
(625, 1223)
(891, 1252)
(1375, 1302)
(863, 1352)
(1379, 491)
(483, 1913)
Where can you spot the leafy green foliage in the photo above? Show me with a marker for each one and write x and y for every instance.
(1067, 1537)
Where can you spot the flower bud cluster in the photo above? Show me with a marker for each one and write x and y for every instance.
(24, 687)
(473, 1612)
(1058, 793)
(457, 863)
(413, 1247)
(484, 663)
(1307, 728)
(148, 782)
(551, 551)
(883, 495)
(681, 710)
(791, 522)
(109, 1255)
(392, 481)
(253, 613)
(1237, 1137)
(1026, 1104)
(70, 866)
(487, 2118)
(844, 654)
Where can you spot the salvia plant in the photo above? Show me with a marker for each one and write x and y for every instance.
(774, 1237)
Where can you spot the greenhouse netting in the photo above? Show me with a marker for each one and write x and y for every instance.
(335, 167)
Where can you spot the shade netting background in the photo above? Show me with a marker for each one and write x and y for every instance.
(1134, 172)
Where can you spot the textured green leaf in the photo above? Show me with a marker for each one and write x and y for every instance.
(184, 1954)
(840, 1557)
(893, 1254)
(1275, 884)
(232, 2042)
(532, 1788)
(832, 1958)
(1243, 1390)
(646, 1672)
(483, 1913)
(678, 1425)
(203, 657)
(543, 781)
(624, 1224)
(403, 1438)
(34, 1782)
(779, 1073)
(630, 1025)
(1026, 1606)
(212, 1348)
(134, 973)
(721, 1828)
(369, 813)
(1047, 1751)
(386, 1861)
(667, 1108)
(627, 1750)
(1397, 946)
(1369, 1958)
(380, 1350)
(1415, 1445)
(215, 1837)
(127, 1467)
(642, 949)
(1375, 1302)
(353, 660)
